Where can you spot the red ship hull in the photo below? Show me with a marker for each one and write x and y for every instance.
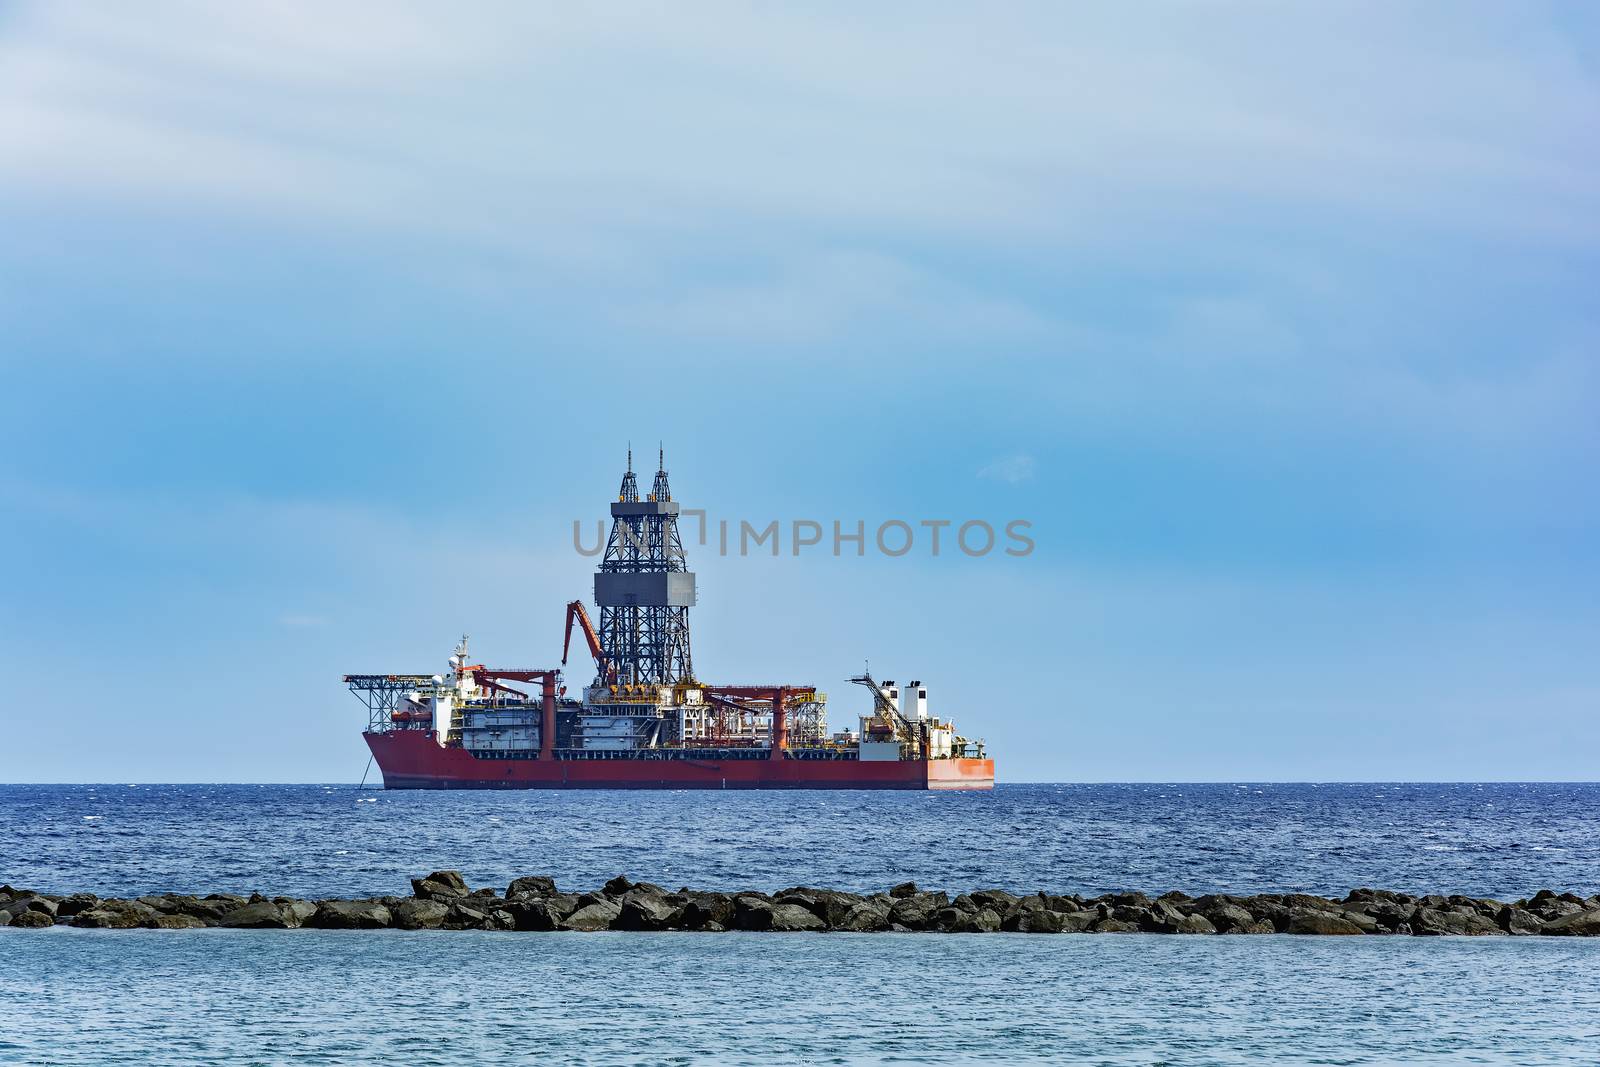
(413, 759)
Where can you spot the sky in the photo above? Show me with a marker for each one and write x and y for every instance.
(321, 324)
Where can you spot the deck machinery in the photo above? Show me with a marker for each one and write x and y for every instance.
(646, 720)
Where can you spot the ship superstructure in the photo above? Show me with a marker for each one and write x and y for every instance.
(645, 720)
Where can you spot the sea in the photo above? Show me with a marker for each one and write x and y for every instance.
(72, 996)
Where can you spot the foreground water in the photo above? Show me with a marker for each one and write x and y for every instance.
(1497, 840)
(215, 996)
(301, 997)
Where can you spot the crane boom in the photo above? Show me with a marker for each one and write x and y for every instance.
(576, 613)
(897, 724)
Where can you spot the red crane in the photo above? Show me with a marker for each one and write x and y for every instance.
(489, 678)
(779, 695)
(576, 613)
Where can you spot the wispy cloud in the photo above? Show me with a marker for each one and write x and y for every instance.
(1068, 122)
(1012, 469)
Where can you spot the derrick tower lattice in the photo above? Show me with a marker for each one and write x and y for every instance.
(644, 587)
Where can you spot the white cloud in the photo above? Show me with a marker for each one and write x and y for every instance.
(1012, 469)
(1044, 123)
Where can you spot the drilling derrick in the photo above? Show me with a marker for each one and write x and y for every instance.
(644, 588)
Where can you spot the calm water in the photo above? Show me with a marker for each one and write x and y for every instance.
(1494, 840)
(309, 997)
(215, 996)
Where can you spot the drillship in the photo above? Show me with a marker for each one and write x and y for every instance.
(646, 721)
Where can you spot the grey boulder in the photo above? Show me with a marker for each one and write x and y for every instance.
(351, 915)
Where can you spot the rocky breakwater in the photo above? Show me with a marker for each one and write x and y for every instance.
(444, 901)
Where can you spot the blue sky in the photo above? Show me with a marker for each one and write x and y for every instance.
(1279, 323)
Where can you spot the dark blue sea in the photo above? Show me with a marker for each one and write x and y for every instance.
(214, 996)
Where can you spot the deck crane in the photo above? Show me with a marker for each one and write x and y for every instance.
(898, 725)
(778, 695)
(604, 670)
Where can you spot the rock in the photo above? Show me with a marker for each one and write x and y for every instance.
(1518, 921)
(22, 903)
(35, 902)
(211, 908)
(1367, 923)
(1112, 926)
(792, 918)
(1389, 915)
(177, 921)
(533, 914)
(956, 921)
(536, 885)
(617, 886)
(466, 916)
(647, 912)
(1269, 911)
(440, 885)
(420, 915)
(114, 915)
(351, 915)
(1192, 924)
(904, 889)
(1318, 921)
(172, 903)
(915, 912)
(751, 913)
(1035, 921)
(1554, 907)
(998, 899)
(1582, 924)
(868, 916)
(1077, 922)
(1227, 916)
(1435, 922)
(69, 906)
(33, 919)
(591, 917)
(829, 905)
(564, 904)
(1164, 917)
(266, 915)
(643, 891)
(707, 909)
